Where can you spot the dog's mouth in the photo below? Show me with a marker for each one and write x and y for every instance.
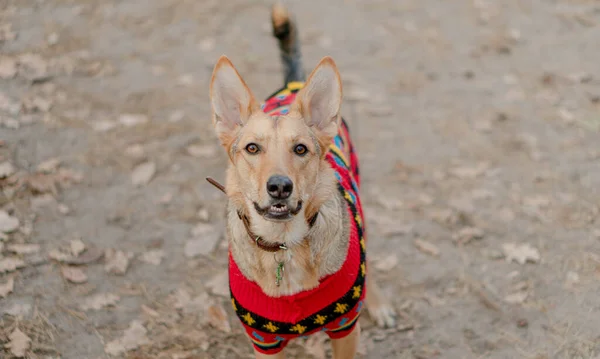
(278, 211)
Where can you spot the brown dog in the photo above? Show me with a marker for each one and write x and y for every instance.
(295, 222)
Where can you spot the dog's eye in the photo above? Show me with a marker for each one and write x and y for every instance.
(252, 148)
(300, 150)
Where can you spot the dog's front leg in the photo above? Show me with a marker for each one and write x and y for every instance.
(346, 347)
(280, 355)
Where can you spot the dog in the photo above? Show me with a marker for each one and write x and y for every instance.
(295, 225)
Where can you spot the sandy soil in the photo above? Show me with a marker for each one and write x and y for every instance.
(477, 124)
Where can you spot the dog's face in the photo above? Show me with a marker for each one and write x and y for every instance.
(276, 160)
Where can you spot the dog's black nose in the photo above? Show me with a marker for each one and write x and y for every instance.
(279, 187)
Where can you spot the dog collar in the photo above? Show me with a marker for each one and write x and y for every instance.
(259, 241)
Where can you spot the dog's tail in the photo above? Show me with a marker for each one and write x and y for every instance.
(286, 32)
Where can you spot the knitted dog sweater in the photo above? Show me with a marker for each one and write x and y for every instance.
(335, 305)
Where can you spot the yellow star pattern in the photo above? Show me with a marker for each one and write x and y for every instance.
(298, 328)
(358, 220)
(248, 318)
(363, 269)
(233, 304)
(347, 195)
(341, 308)
(270, 327)
(357, 291)
(363, 244)
(320, 319)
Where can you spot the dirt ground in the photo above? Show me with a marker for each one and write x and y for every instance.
(477, 125)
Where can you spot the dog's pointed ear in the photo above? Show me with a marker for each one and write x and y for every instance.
(320, 99)
(231, 99)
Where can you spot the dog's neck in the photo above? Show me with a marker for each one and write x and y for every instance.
(313, 252)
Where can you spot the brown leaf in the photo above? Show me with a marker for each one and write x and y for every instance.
(520, 253)
(217, 317)
(386, 264)
(9, 264)
(516, 298)
(219, 285)
(89, 256)
(6, 169)
(154, 256)
(133, 337)
(58, 255)
(131, 119)
(117, 261)
(6, 288)
(99, 301)
(42, 183)
(18, 310)
(427, 248)
(19, 343)
(23, 249)
(470, 172)
(143, 173)
(49, 166)
(77, 247)
(467, 234)
(8, 223)
(74, 275)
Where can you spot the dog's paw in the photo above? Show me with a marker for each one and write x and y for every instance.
(384, 315)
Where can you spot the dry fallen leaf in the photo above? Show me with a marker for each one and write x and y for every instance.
(23, 249)
(58, 255)
(516, 298)
(77, 247)
(6, 288)
(133, 337)
(74, 275)
(49, 166)
(19, 343)
(131, 119)
(18, 310)
(9, 264)
(386, 264)
(520, 253)
(8, 223)
(154, 256)
(427, 248)
(6, 169)
(89, 256)
(470, 172)
(99, 301)
(217, 317)
(219, 285)
(143, 173)
(467, 234)
(117, 261)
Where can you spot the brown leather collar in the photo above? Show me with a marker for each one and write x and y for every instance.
(259, 241)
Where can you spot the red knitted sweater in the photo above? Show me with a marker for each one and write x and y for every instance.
(335, 305)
